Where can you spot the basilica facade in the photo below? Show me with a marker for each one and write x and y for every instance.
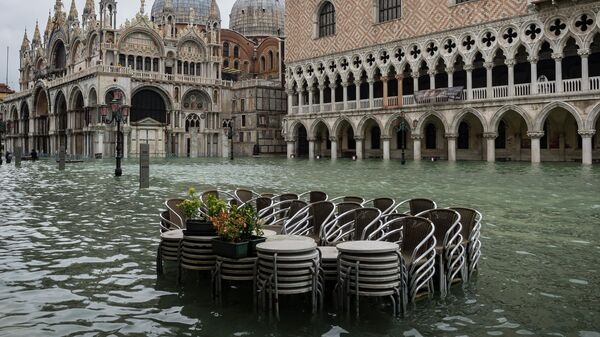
(444, 79)
(174, 67)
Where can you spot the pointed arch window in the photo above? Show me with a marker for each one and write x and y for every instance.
(327, 20)
(226, 49)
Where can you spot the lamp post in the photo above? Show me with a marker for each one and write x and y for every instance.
(116, 112)
(2, 132)
(229, 124)
(402, 128)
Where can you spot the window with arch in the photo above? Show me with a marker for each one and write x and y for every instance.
(389, 10)
(236, 51)
(326, 20)
(463, 136)
(271, 65)
(430, 136)
(225, 49)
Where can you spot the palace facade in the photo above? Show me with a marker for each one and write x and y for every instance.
(448, 79)
(177, 69)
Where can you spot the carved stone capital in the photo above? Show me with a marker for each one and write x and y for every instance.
(490, 135)
(584, 52)
(359, 138)
(510, 62)
(533, 59)
(488, 65)
(535, 134)
(451, 136)
(468, 67)
(333, 139)
(416, 137)
(586, 133)
(557, 56)
(449, 70)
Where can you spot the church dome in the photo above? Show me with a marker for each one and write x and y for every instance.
(258, 18)
(181, 10)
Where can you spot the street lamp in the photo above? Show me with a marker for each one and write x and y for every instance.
(116, 112)
(2, 132)
(401, 128)
(229, 124)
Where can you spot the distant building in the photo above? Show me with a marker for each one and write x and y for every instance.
(5, 91)
(176, 67)
(471, 79)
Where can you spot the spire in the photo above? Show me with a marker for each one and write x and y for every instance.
(168, 5)
(49, 26)
(142, 6)
(73, 14)
(59, 14)
(215, 13)
(89, 9)
(25, 43)
(37, 38)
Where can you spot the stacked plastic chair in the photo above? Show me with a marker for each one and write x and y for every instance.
(170, 240)
(369, 268)
(195, 253)
(287, 266)
(232, 270)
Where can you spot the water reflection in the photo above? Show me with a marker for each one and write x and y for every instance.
(78, 248)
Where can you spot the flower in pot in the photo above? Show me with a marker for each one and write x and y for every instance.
(198, 213)
(230, 224)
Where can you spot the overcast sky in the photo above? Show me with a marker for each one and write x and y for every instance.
(16, 15)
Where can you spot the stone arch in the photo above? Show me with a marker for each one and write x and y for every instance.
(543, 115)
(423, 118)
(151, 33)
(593, 117)
(493, 124)
(294, 126)
(41, 102)
(339, 123)
(126, 99)
(461, 115)
(190, 98)
(75, 91)
(314, 128)
(361, 125)
(149, 102)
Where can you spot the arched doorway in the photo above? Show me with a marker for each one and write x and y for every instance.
(512, 142)
(345, 139)
(41, 124)
(25, 128)
(401, 134)
(469, 144)
(373, 147)
(433, 132)
(302, 141)
(77, 139)
(61, 122)
(322, 141)
(561, 141)
(148, 120)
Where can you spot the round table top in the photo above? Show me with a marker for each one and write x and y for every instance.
(176, 234)
(290, 238)
(268, 233)
(328, 252)
(286, 246)
(367, 247)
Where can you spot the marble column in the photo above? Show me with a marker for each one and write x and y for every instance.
(359, 147)
(469, 71)
(386, 148)
(451, 137)
(585, 72)
(311, 148)
(300, 99)
(535, 146)
(450, 73)
(290, 100)
(558, 70)
(586, 146)
(490, 147)
(400, 80)
(291, 148)
(489, 67)
(415, 76)
(510, 63)
(417, 147)
(384, 80)
(371, 93)
(345, 94)
(432, 74)
(321, 96)
(533, 63)
(334, 148)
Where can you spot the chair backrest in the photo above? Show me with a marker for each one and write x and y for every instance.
(205, 195)
(344, 207)
(244, 195)
(262, 203)
(366, 221)
(267, 195)
(321, 213)
(383, 204)
(288, 196)
(391, 227)
(294, 207)
(316, 196)
(468, 220)
(444, 220)
(415, 230)
(358, 200)
(420, 205)
(176, 215)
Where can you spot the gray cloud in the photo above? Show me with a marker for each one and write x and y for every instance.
(16, 15)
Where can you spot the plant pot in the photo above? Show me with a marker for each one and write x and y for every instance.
(254, 240)
(200, 227)
(231, 250)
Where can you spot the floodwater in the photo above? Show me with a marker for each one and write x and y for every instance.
(78, 249)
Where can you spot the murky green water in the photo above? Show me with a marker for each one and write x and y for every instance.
(77, 250)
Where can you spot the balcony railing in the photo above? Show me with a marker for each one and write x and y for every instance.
(477, 94)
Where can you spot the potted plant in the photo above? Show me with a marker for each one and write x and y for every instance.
(239, 230)
(197, 222)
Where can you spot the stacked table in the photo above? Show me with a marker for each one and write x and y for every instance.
(168, 249)
(195, 253)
